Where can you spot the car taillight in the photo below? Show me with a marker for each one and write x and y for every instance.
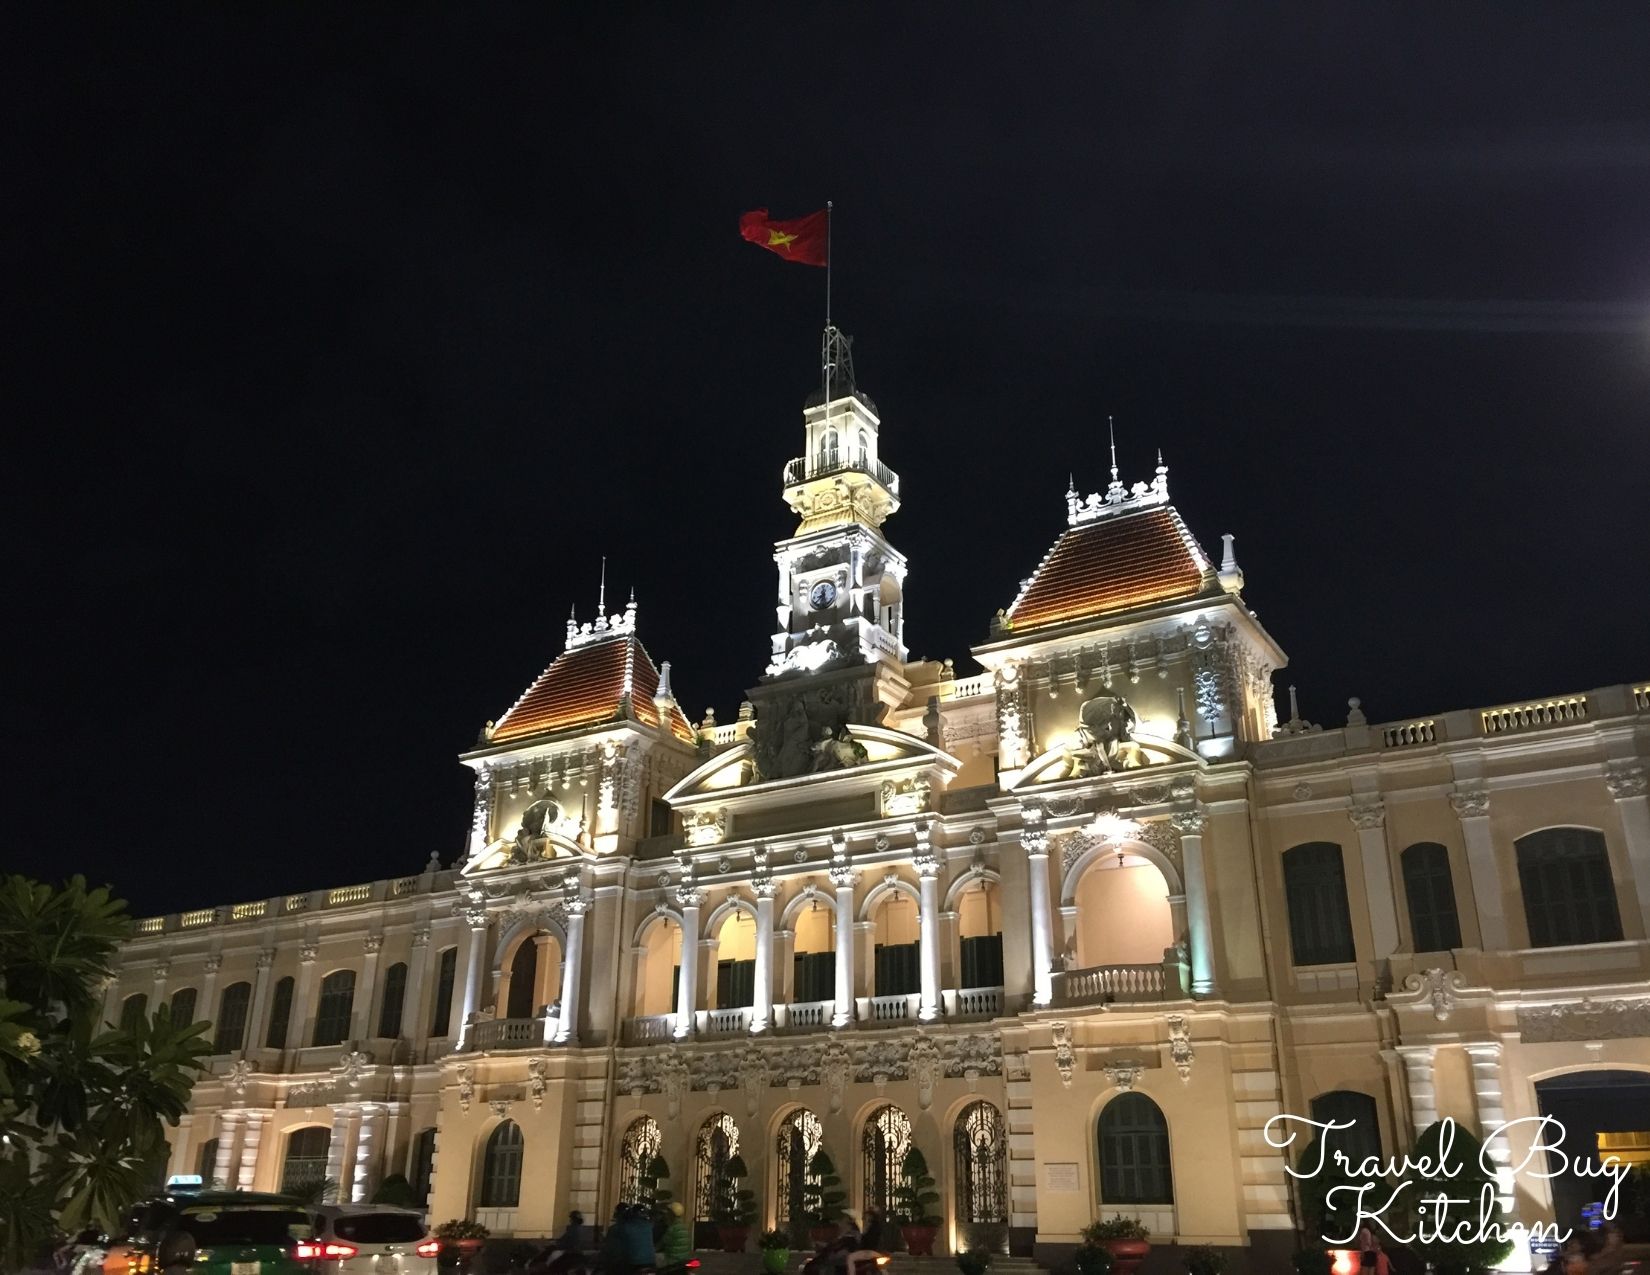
(315, 1251)
(429, 1248)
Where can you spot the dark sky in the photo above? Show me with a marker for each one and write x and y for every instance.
(345, 340)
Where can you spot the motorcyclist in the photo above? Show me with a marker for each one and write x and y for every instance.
(567, 1249)
(628, 1244)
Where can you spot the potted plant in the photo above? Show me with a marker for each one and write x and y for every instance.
(776, 1251)
(822, 1198)
(974, 1261)
(653, 1197)
(462, 1235)
(914, 1201)
(1093, 1260)
(1124, 1238)
(1204, 1260)
(734, 1210)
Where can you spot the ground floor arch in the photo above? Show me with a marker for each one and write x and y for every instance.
(1601, 1111)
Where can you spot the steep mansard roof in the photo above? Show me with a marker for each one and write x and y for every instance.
(1114, 564)
(587, 685)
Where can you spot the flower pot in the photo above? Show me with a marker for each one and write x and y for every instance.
(919, 1240)
(1127, 1254)
(733, 1237)
(775, 1260)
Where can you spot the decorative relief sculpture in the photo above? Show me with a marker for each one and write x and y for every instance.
(1367, 813)
(924, 1064)
(673, 1075)
(904, 796)
(537, 1080)
(1106, 729)
(705, 827)
(1440, 987)
(1585, 1020)
(1180, 1046)
(237, 1078)
(466, 1085)
(1626, 779)
(753, 1078)
(1124, 1073)
(1065, 1057)
(835, 1064)
(1470, 803)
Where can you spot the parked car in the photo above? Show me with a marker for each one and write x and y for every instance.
(221, 1233)
(372, 1239)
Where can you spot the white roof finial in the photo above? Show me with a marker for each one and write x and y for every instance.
(664, 691)
(1111, 429)
(601, 596)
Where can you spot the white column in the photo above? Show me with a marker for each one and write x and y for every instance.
(229, 1130)
(1627, 783)
(1486, 1090)
(572, 961)
(366, 1151)
(1422, 1084)
(250, 1141)
(206, 1009)
(762, 1010)
(340, 1154)
(1191, 825)
(157, 997)
(476, 916)
(415, 1019)
(1368, 816)
(842, 877)
(256, 1029)
(364, 1023)
(687, 983)
(928, 935)
(1035, 840)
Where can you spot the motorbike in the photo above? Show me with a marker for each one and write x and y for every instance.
(831, 1259)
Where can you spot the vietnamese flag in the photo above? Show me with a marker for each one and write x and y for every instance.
(802, 239)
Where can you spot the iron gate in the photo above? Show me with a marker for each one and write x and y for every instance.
(800, 1137)
(641, 1144)
(712, 1184)
(981, 1167)
(887, 1139)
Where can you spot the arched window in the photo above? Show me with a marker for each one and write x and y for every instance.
(830, 447)
(898, 963)
(800, 1137)
(981, 1143)
(736, 962)
(133, 1010)
(1431, 893)
(446, 970)
(183, 1006)
(1134, 1152)
(641, 1143)
(1569, 895)
(332, 1014)
(501, 1168)
(524, 974)
(887, 1139)
(1363, 1138)
(980, 935)
(280, 1013)
(813, 963)
(864, 448)
(306, 1158)
(207, 1164)
(395, 991)
(1320, 925)
(657, 969)
(718, 1143)
(231, 1030)
(423, 1164)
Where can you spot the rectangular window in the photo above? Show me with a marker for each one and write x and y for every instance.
(441, 1020)
(337, 1005)
(982, 961)
(1431, 894)
(896, 969)
(395, 989)
(735, 984)
(231, 1029)
(815, 976)
(1320, 923)
(662, 819)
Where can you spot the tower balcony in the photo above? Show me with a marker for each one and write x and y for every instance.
(839, 461)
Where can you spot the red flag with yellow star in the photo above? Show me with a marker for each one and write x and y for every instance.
(803, 239)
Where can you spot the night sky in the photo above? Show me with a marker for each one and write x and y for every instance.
(344, 341)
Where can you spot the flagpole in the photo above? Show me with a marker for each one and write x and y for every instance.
(826, 361)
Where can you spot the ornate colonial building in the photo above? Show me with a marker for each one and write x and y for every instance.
(1075, 926)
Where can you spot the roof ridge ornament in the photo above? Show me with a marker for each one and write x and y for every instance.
(1118, 499)
(620, 624)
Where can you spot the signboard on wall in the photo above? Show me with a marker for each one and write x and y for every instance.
(1061, 1178)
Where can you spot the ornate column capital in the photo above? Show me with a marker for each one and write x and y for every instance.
(214, 962)
(765, 888)
(689, 895)
(308, 952)
(372, 944)
(1367, 814)
(1190, 823)
(842, 875)
(266, 958)
(1470, 803)
(1626, 779)
(421, 936)
(576, 905)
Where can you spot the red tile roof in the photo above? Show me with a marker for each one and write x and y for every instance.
(587, 686)
(1114, 564)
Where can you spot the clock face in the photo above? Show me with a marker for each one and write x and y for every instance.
(822, 595)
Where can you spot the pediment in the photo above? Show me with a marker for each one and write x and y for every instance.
(872, 759)
(1073, 761)
(508, 852)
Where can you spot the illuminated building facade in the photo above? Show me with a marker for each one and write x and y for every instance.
(1075, 927)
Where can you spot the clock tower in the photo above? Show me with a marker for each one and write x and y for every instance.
(841, 584)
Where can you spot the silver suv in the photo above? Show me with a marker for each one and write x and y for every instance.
(372, 1239)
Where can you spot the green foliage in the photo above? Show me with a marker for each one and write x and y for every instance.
(974, 1261)
(772, 1240)
(1460, 1176)
(822, 1193)
(735, 1204)
(1204, 1260)
(461, 1228)
(1328, 1211)
(914, 1197)
(82, 1104)
(1116, 1227)
(1093, 1260)
(397, 1191)
(314, 1191)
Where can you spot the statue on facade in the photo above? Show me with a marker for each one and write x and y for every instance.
(836, 750)
(1106, 728)
(536, 822)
